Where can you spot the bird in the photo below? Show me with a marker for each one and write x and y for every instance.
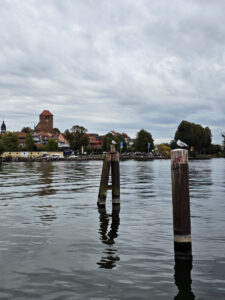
(182, 144)
(113, 142)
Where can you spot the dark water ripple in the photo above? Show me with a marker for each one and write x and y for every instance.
(56, 244)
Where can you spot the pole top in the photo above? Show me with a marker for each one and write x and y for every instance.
(179, 156)
(112, 148)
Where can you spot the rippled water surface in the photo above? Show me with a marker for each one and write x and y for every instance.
(56, 244)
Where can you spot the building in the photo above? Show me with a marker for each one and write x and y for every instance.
(62, 141)
(3, 127)
(45, 123)
(21, 138)
(95, 141)
(32, 154)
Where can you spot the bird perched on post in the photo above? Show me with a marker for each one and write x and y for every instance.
(182, 144)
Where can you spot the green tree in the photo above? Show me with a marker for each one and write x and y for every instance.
(77, 137)
(10, 142)
(109, 137)
(214, 149)
(143, 138)
(164, 149)
(223, 135)
(51, 145)
(107, 141)
(2, 147)
(173, 144)
(27, 130)
(194, 135)
(56, 130)
(29, 142)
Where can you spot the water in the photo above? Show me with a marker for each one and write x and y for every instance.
(55, 244)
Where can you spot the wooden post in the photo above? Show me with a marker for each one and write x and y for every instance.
(115, 178)
(111, 160)
(104, 180)
(181, 201)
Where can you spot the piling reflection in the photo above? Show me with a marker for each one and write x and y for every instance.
(46, 170)
(109, 260)
(47, 213)
(182, 277)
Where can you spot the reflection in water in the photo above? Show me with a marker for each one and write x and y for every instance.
(109, 261)
(182, 276)
(200, 180)
(46, 169)
(47, 213)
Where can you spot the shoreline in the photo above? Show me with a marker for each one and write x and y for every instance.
(101, 157)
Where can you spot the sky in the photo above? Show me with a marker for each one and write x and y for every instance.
(118, 65)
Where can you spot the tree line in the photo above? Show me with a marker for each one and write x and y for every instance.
(197, 137)
(9, 142)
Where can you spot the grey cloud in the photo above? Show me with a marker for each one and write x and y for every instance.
(120, 64)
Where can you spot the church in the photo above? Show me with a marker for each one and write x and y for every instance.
(45, 123)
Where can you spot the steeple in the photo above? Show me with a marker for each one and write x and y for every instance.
(3, 127)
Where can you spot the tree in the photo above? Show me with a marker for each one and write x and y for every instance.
(173, 144)
(164, 149)
(10, 142)
(223, 135)
(143, 138)
(29, 142)
(77, 137)
(56, 130)
(51, 145)
(109, 137)
(214, 149)
(27, 130)
(2, 147)
(194, 135)
(107, 141)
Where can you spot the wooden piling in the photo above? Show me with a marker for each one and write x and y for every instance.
(181, 201)
(111, 160)
(104, 180)
(115, 157)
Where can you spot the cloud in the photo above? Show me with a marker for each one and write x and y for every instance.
(122, 65)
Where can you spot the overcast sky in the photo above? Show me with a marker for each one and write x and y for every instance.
(116, 65)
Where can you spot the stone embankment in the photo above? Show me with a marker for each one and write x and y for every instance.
(82, 158)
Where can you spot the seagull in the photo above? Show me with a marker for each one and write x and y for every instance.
(113, 142)
(181, 144)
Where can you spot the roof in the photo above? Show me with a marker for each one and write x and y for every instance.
(20, 134)
(46, 113)
(93, 134)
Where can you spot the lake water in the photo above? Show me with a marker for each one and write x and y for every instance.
(55, 244)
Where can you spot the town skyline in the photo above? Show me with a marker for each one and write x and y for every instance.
(102, 133)
(156, 140)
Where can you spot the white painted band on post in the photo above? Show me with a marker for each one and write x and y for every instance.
(101, 201)
(116, 200)
(179, 156)
(182, 238)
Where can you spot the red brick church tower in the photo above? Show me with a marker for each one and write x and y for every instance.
(46, 122)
